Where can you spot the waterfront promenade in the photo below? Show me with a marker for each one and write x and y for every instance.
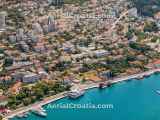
(85, 86)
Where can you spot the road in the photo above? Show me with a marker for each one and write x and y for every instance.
(118, 20)
(85, 86)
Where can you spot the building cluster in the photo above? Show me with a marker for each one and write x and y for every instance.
(73, 43)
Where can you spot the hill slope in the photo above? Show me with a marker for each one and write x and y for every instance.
(147, 7)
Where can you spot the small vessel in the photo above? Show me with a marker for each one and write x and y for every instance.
(102, 85)
(140, 77)
(39, 112)
(22, 115)
(146, 75)
(158, 91)
(42, 109)
(157, 72)
(75, 93)
(105, 84)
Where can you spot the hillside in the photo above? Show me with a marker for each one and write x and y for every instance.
(147, 7)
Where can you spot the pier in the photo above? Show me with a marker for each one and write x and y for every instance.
(85, 87)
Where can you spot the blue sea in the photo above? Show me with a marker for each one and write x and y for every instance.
(131, 100)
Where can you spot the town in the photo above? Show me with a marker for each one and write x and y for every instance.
(48, 46)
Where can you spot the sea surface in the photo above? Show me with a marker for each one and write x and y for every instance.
(131, 100)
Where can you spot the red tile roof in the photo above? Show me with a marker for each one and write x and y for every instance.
(3, 98)
(156, 62)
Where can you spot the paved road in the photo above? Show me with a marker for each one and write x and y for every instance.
(61, 95)
(118, 20)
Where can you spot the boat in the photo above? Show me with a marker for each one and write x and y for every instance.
(140, 77)
(39, 112)
(105, 84)
(147, 75)
(157, 72)
(75, 93)
(42, 109)
(22, 115)
(158, 91)
(102, 85)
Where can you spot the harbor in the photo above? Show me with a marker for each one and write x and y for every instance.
(71, 53)
(120, 95)
(63, 95)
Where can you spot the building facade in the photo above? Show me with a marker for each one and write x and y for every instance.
(56, 2)
(2, 21)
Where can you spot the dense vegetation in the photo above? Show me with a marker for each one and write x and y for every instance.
(36, 93)
(147, 7)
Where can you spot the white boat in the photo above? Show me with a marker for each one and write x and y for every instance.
(75, 93)
(140, 77)
(22, 115)
(43, 110)
(158, 91)
(39, 112)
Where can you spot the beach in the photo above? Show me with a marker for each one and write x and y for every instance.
(62, 95)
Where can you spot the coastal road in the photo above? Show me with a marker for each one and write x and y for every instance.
(140, 75)
(86, 86)
(34, 106)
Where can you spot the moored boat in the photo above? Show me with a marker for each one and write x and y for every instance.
(105, 84)
(147, 75)
(75, 93)
(102, 85)
(158, 92)
(140, 77)
(22, 115)
(39, 112)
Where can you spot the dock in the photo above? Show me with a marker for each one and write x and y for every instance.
(85, 87)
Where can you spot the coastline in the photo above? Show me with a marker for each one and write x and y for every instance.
(85, 87)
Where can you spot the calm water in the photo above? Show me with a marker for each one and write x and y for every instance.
(132, 100)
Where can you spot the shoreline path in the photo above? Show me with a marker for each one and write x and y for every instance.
(62, 95)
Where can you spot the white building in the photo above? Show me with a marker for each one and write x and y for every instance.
(30, 78)
(133, 12)
(56, 2)
(100, 53)
(3, 21)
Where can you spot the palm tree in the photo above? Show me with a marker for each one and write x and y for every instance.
(96, 45)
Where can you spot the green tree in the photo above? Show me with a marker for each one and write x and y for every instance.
(1, 50)
(8, 62)
(150, 27)
(1, 117)
(27, 101)
(38, 93)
